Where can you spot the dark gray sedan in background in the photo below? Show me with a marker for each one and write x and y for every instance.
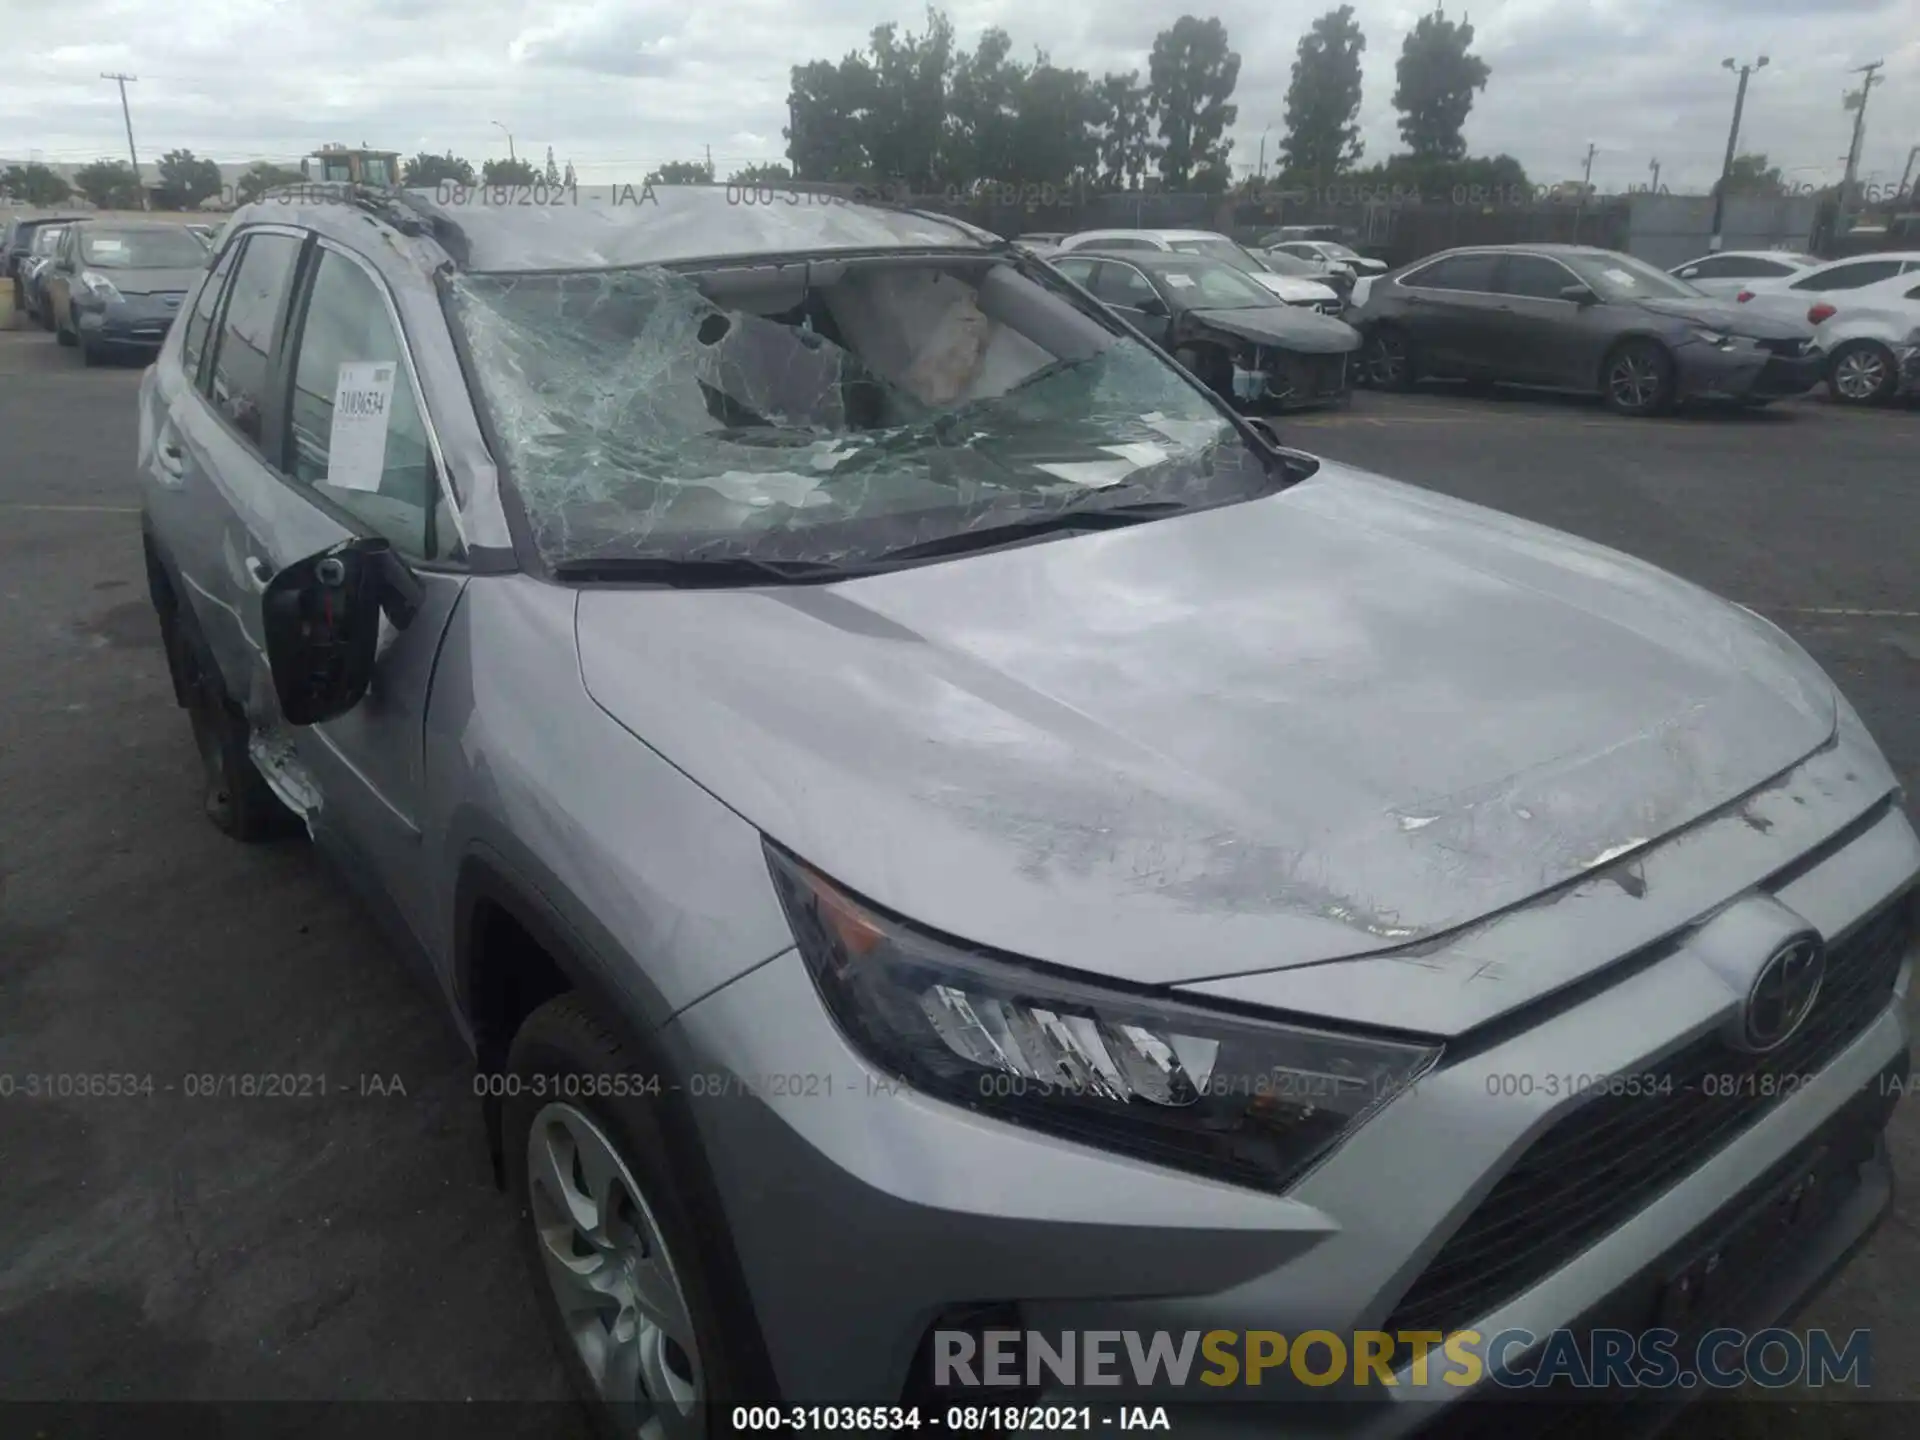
(1251, 349)
(116, 286)
(1573, 317)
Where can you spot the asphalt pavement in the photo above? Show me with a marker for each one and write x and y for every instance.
(350, 1245)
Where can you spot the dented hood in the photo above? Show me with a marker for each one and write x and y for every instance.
(1334, 721)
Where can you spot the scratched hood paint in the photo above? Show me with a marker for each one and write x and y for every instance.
(1333, 721)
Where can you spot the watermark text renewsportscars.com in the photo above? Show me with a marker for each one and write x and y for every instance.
(1216, 1361)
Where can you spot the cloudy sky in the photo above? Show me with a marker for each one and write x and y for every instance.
(618, 86)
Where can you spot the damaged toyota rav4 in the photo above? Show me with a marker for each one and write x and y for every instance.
(932, 823)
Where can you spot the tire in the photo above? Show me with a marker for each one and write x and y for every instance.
(1212, 367)
(65, 336)
(1863, 372)
(1637, 379)
(1388, 362)
(236, 798)
(655, 1249)
(91, 355)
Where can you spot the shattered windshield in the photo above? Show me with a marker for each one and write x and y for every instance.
(828, 412)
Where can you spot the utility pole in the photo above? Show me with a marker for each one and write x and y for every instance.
(1654, 187)
(1733, 139)
(511, 157)
(709, 163)
(127, 115)
(1855, 101)
(1907, 174)
(1586, 184)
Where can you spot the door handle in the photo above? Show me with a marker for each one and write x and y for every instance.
(171, 459)
(259, 571)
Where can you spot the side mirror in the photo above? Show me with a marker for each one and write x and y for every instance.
(322, 622)
(1265, 429)
(1689, 272)
(1579, 294)
(1153, 307)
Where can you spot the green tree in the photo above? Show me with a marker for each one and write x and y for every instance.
(1191, 75)
(1436, 80)
(1323, 100)
(34, 184)
(109, 184)
(186, 180)
(682, 172)
(425, 171)
(769, 172)
(907, 119)
(1751, 175)
(260, 177)
(508, 172)
(984, 106)
(1125, 125)
(828, 107)
(1056, 139)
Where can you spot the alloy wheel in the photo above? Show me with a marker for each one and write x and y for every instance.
(1387, 360)
(1860, 373)
(619, 1295)
(1634, 381)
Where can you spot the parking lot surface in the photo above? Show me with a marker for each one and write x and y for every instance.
(350, 1245)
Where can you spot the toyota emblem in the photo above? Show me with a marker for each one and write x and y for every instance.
(1783, 993)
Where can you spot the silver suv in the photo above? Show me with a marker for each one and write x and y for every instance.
(930, 822)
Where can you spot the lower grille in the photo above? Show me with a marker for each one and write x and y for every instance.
(1615, 1154)
(1791, 348)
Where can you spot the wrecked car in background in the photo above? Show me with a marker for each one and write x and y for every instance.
(1249, 347)
(874, 757)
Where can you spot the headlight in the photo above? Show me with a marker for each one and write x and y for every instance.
(1713, 337)
(98, 285)
(1242, 1099)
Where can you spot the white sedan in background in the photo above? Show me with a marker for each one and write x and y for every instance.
(1791, 295)
(1731, 271)
(1872, 338)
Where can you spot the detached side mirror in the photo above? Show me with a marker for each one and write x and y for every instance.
(1579, 294)
(322, 622)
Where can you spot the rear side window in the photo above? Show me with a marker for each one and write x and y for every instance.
(194, 340)
(1455, 272)
(358, 437)
(1850, 277)
(243, 354)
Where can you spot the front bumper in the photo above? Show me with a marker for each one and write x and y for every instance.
(135, 320)
(1746, 372)
(1269, 379)
(1909, 359)
(865, 1215)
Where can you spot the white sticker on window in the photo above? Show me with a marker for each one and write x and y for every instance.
(1183, 281)
(357, 441)
(107, 245)
(1620, 278)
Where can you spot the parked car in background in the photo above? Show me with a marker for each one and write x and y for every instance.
(1872, 339)
(1575, 317)
(33, 289)
(1248, 346)
(116, 285)
(1338, 278)
(1728, 272)
(1295, 289)
(1288, 233)
(1790, 295)
(17, 243)
(1331, 253)
(918, 778)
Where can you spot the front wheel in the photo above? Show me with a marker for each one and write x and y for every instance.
(1862, 372)
(1387, 362)
(65, 336)
(235, 796)
(616, 1257)
(1638, 379)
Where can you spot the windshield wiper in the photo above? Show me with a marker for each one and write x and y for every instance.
(987, 537)
(718, 572)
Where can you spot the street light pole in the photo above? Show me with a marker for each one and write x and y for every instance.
(1733, 139)
(127, 115)
(1654, 187)
(509, 134)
